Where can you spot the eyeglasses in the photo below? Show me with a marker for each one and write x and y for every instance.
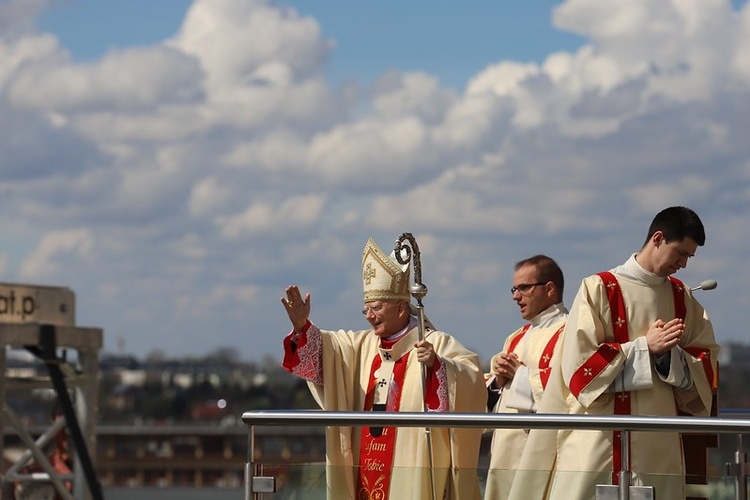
(524, 287)
(373, 308)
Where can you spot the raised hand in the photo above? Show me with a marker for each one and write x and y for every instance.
(297, 309)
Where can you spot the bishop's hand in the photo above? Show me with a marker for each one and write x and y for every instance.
(297, 309)
(425, 353)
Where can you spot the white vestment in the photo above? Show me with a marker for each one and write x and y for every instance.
(594, 371)
(533, 344)
(347, 358)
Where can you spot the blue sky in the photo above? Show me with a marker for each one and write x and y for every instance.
(179, 163)
(453, 40)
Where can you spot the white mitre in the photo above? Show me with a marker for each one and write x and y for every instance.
(383, 278)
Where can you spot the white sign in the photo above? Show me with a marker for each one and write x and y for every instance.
(37, 304)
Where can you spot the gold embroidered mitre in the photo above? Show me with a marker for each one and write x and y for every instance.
(383, 278)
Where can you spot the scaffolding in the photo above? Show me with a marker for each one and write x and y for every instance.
(41, 321)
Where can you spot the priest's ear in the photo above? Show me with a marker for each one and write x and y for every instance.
(658, 238)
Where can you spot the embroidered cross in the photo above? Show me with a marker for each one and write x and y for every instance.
(622, 396)
(611, 285)
(387, 356)
(587, 372)
(620, 322)
(382, 383)
(369, 273)
(545, 358)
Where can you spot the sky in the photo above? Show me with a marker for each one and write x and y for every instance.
(178, 163)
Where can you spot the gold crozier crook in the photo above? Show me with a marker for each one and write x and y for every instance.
(418, 290)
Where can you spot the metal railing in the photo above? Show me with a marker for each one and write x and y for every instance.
(624, 424)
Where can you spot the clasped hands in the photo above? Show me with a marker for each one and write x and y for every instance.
(661, 336)
(504, 366)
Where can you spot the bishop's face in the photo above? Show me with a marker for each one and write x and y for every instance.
(386, 317)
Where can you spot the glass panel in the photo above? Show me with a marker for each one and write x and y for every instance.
(296, 480)
(140, 493)
(308, 481)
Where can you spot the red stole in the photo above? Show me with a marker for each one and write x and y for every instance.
(544, 361)
(517, 339)
(620, 327)
(546, 357)
(376, 453)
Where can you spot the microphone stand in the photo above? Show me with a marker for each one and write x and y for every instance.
(705, 285)
(418, 290)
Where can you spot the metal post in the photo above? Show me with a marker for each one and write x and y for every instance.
(249, 464)
(740, 458)
(255, 486)
(46, 352)
(4, 487)
(624, 475)
(36, 452)
(86, 405)
(624, 490)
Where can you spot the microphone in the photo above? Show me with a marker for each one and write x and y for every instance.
(705, 285)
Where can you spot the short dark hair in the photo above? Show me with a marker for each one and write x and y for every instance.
(677, 223)
(546, 270)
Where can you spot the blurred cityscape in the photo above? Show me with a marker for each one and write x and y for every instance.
(176, 422)
(159, 390)
(216, 388)
(168, 422)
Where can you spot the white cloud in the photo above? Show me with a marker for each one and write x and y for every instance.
(681, 47)
(503, 78)
(371, 153)
(416, 94)
(652, 197)
(128, 80)
(17, 54)
(17, 17)
(226, 297)
(740, 59)
(279, 150)
(179, 187)
(471, 120)
(261, 217)
(235, 39)
(44, 261)
(206, 195)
